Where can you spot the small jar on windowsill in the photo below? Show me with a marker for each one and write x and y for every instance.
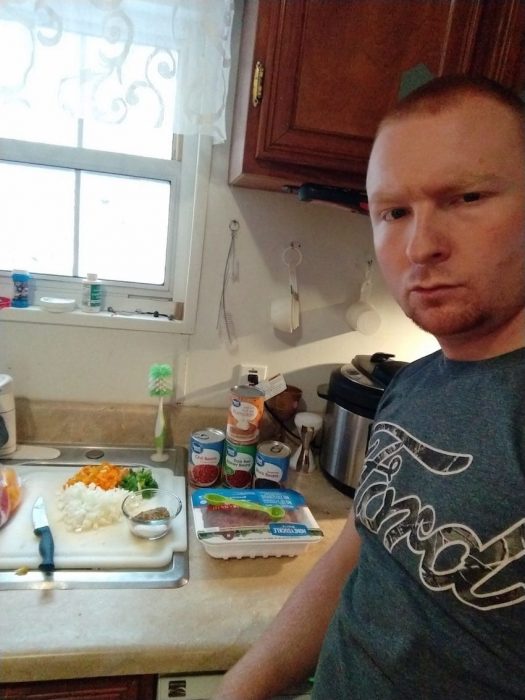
(21, 279)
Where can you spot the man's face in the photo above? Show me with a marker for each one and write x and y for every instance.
(447, 203)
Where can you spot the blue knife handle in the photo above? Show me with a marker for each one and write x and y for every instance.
(46, 547)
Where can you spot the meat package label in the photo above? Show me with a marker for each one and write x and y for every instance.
(233, 521)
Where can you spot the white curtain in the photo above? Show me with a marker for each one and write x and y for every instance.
(109, 60)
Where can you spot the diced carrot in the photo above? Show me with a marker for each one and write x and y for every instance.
(105, 475)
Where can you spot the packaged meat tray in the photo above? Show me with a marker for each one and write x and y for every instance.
(237, 523)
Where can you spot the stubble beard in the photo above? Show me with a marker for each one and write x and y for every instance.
(462, 321)
(443, 319)
(444, 323)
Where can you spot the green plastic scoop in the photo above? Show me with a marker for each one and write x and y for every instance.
(217, 499)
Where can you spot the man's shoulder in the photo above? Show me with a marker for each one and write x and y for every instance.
(428, 363)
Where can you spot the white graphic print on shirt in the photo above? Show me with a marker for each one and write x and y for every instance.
(472, 566)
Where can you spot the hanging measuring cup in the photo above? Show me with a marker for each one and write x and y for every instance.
(362, 316)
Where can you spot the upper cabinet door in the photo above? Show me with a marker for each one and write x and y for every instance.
(316, 76)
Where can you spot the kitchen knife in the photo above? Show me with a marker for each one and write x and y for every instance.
(46, 546)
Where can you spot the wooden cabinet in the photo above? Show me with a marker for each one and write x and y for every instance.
(331, 68)
(111, 688)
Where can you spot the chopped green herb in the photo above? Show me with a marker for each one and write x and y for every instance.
(139, 480)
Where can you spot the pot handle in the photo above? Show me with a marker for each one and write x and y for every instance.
(322, 391)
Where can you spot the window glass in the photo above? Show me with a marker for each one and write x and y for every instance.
(37, 234)
(123, 229)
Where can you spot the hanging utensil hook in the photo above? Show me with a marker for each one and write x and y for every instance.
(292, 255)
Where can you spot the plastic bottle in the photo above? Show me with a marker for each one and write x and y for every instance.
(91, 294)
(21, 288)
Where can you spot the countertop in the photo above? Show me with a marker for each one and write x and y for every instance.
(205, 625)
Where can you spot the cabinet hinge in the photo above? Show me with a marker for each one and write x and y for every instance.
(257, 83)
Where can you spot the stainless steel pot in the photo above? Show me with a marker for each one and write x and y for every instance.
(352, 397)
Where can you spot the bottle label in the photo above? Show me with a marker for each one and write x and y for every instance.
(96, 294)
(91, 296)
(21, 289)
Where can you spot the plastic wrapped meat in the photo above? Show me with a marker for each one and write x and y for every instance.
(229, 517)
(227, 530)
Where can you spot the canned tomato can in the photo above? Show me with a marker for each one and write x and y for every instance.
(271, 465)
(238, 465)
(245, 414)
(206, 450)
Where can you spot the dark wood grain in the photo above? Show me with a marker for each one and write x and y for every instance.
(334, 67)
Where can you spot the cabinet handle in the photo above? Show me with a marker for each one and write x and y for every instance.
(257, 84)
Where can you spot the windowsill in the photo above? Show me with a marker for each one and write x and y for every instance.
(103, 319)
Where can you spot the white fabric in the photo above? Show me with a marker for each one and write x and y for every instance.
(169, 58)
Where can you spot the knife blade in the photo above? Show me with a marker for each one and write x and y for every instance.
(46, 546)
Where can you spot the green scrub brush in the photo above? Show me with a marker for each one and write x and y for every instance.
(160, 384)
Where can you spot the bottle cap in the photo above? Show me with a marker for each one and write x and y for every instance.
(91, 276)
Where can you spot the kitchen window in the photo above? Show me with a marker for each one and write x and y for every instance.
(108, 115)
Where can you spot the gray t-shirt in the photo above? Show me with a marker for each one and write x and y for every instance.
(436, 606)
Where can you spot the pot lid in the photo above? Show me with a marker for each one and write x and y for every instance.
(352, 390)
(378, 368)
(359, 386)
(354, 374)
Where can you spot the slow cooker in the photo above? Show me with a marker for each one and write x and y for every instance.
(352, 396)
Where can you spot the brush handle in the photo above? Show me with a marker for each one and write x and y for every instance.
(160, 426)
(160, 434)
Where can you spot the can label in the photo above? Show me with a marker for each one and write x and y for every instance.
(244, 415)
(206, 451)
(271, 465)
(238, 464)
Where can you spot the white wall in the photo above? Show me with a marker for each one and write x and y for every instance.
(336, 246)
(85, 364)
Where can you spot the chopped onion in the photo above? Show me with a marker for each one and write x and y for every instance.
(89, 507)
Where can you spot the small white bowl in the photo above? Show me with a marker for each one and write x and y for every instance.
(56, 305)
(151, 512)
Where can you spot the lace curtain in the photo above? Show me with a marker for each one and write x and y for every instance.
(110, 60)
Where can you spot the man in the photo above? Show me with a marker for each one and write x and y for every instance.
(435, 604)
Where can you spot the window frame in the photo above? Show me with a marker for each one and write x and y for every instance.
(189, 180)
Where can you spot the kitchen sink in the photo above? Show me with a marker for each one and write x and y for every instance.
(173, 575)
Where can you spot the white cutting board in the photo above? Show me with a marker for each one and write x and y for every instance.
(108, 547)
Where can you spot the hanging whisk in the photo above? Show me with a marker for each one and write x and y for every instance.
(224, 317)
